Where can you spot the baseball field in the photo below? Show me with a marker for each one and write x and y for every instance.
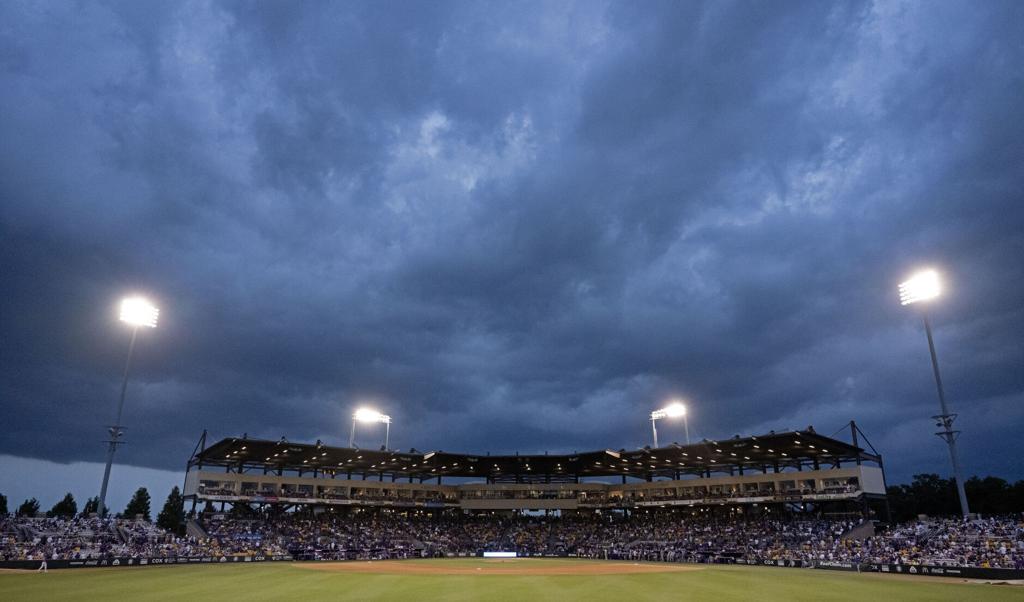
(480, 579)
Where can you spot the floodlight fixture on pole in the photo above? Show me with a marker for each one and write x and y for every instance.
(673, 410)
(137, 312)
(925, 286)
(369, 415)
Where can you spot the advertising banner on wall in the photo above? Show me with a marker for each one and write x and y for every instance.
(899, 569)
(135, 562)
(968, 572)
(902, 569)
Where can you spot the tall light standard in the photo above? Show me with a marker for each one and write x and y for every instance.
(673, 410)
(136, 312)
(925, 286)
(368, 415)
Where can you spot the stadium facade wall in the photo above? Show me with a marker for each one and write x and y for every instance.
(795, 486)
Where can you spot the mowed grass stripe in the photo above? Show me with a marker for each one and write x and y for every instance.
(285, 581)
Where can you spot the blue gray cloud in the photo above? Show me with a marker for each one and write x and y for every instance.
(513, 226)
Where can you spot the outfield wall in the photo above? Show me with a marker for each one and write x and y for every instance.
(899, 569)
(137, 562)
(914, 570)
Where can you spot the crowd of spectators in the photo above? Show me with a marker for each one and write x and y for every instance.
(652, 535)
(665, 536)
(51, 538)
(989, 542)
(84, 538)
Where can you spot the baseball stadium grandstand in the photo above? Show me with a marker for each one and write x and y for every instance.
(818, 473)
(790, 499)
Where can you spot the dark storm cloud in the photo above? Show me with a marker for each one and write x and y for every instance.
(515, 227)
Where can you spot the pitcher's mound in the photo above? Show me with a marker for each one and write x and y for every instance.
(517, 566)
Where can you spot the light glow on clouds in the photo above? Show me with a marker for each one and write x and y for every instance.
(512, 227)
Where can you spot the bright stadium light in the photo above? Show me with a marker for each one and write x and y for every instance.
(370, 415)
(137, 312)
(925, 286)
(674, 410)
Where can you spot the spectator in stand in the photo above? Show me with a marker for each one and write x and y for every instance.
(642, 535)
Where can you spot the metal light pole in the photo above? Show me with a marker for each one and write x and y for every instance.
(923, 287)
(137, 312)
(673, 410)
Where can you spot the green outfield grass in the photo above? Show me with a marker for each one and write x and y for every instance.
(286, 581)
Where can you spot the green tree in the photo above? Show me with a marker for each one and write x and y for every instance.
(932, 495)
(1016, 496)
(67, 507)
(901, 503)
(935, 496)
(989, 496)
(172, 517)
(92, 506)
(138, 505)
(927, 494)
(29, 507)
(3, 505)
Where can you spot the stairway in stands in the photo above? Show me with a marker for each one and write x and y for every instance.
(860, 532)
(194, 529)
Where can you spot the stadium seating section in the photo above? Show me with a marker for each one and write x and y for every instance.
(644, 535)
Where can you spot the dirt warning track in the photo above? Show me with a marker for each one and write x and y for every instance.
(524, 566)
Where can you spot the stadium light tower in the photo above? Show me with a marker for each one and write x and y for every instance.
(136, 312)
(368, 415)
(672, 410)
(921, 288)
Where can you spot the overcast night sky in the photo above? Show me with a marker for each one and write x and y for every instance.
(512, 226)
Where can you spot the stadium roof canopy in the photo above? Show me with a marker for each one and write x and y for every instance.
(767, 453)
